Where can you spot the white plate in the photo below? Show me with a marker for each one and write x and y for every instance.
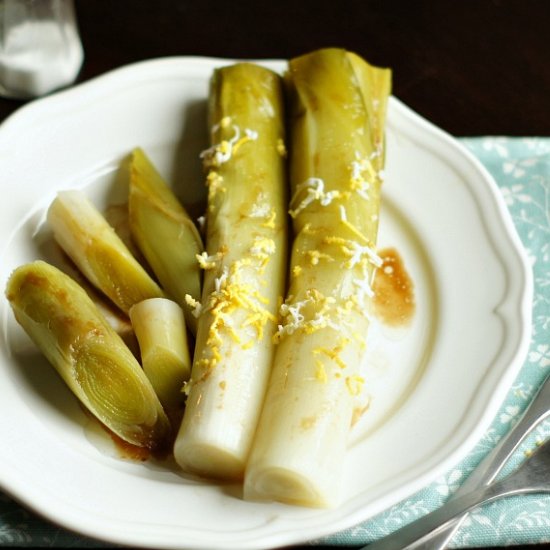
(435, 386)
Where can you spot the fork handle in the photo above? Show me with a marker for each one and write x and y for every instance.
(491, 465)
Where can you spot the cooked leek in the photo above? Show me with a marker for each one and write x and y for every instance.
(118, 320)
(165, 234)
(98, 252)
(337, 112)
(245, 266)
(91, 358)
(160, 329)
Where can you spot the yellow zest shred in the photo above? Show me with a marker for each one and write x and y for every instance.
(355, 384)
(333, 354)
(356, 232)
(320, 371)
(214, 183)
(249, 135)
(315, 256)
(270, 222)
(231, 292)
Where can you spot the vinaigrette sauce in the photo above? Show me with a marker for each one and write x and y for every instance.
(394, 300)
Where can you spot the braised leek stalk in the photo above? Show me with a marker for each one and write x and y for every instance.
(165, 234)
(98, 252)
(91, 358)
(337, 118)
(160, 329)
(245, 266)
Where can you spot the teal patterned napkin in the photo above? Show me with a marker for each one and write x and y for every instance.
(521, 168)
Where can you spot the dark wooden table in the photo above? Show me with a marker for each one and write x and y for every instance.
(473, 67)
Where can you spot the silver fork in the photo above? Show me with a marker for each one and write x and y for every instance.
(490, 466)
(533, 476)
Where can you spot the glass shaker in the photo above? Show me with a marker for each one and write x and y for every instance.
(40, 49)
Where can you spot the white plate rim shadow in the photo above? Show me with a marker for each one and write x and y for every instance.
(26, 141)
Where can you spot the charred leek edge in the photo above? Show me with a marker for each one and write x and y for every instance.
(337, 104)
(98, 252)
(165, 234)
(160, 329)
(91, 358)
(117, 319)
(244, 265)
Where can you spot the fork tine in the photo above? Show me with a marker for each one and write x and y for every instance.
(535, 470)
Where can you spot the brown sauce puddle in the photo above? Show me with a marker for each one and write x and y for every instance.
(394, 300)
